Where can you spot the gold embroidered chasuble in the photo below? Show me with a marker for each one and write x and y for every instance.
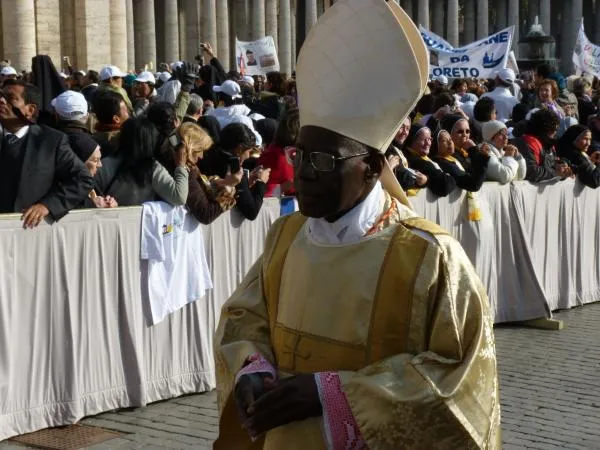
(401, 317)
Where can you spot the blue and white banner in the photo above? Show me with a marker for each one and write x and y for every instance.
(480, 59)
(586, 56)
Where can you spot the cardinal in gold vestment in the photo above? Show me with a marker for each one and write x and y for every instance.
(362, 325)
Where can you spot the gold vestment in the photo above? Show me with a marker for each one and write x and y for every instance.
(401, 317)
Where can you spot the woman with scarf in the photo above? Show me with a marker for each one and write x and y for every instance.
(506, 164)
(410, 180)
(443, 152)
(537, 147)
(574, 146)
(416, 150)
(460, 132)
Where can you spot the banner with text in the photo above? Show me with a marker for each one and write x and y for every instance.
(257, 57)
(480, 59)
(586, 55)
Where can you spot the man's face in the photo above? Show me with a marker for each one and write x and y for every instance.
(13, 97)
(142, 90)
(251, 58)
(117, 81)
(123, 113)
(327, 194)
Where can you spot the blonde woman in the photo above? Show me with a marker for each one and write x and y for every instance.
(207, 199)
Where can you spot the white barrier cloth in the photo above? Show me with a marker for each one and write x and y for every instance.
(480, 59)
(257, 57)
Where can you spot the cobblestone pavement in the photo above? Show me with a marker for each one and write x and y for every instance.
(549, 393)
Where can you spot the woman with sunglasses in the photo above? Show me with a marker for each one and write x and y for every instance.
(460, 132)
(443, 151)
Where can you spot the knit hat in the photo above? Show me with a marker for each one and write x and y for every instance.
(491, 128)
(83, 145)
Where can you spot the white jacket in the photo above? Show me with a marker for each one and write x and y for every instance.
(232, 114)
(504, 169)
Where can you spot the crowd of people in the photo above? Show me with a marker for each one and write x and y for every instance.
(212, 140)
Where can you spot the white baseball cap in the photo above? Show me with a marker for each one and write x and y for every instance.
(507, 75)
(109, 72)
(8, 71)
(146, 77)
(248, 79)
(176, 65)
(441, 79)
(70, 105)
(230, 88)
(164, 76)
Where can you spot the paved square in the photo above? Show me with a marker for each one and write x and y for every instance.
(548, 386)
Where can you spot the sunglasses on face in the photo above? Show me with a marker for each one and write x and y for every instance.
(467, 131)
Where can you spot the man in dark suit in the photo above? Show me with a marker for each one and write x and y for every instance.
(39, 173)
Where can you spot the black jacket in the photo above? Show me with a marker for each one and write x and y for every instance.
(249, 200)
(440, 183)
(587, 172)
(468, 180)
(541, 161)
(51, 173)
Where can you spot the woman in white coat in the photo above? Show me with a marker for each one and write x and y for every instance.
(506, 164)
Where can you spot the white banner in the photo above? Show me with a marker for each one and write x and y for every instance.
(586, 56)
(257, 57)
(480, 59)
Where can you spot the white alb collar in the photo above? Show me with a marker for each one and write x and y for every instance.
(353, 225)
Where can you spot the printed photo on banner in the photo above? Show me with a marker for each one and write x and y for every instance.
(480, 59)
(257, 57)
(586, 56)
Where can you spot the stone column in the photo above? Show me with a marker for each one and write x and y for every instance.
(159, 30)
(570, 26)
(285, 36)
(271, 20)
(171, 31)
(437, 16)
(407, 5)
(208, 23)
(293, 37)
(241, 15)
(145, 33)
(130, 37)
(191, 11)
(588, 18)
(67, 31)
(258, 19)
(18, 29)
(469, 26)
(92, 20)
(513, 19)
(182, 32)
(452, 23)
(118, 34)
(47, 30)
(223, 33)
(596, 38)
(545, 15)
(311, 15)
(423, 18)
(482, 19)
(501, 11)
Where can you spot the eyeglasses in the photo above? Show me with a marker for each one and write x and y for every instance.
(463, 131)
(322, 162)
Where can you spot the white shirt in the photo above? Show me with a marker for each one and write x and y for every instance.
(173, 243)
(353, 225)
(19, 134)
(504, 102)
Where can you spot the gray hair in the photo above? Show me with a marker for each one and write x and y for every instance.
(196, 104)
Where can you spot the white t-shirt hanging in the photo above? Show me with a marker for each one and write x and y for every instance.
(173, 244)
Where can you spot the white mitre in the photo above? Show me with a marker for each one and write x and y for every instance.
(360, 72)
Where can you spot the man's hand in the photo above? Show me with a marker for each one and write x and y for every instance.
(248, 389)
(293, 399)
(34, 215)
(208, 50)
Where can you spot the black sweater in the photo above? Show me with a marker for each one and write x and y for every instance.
(440, 183)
